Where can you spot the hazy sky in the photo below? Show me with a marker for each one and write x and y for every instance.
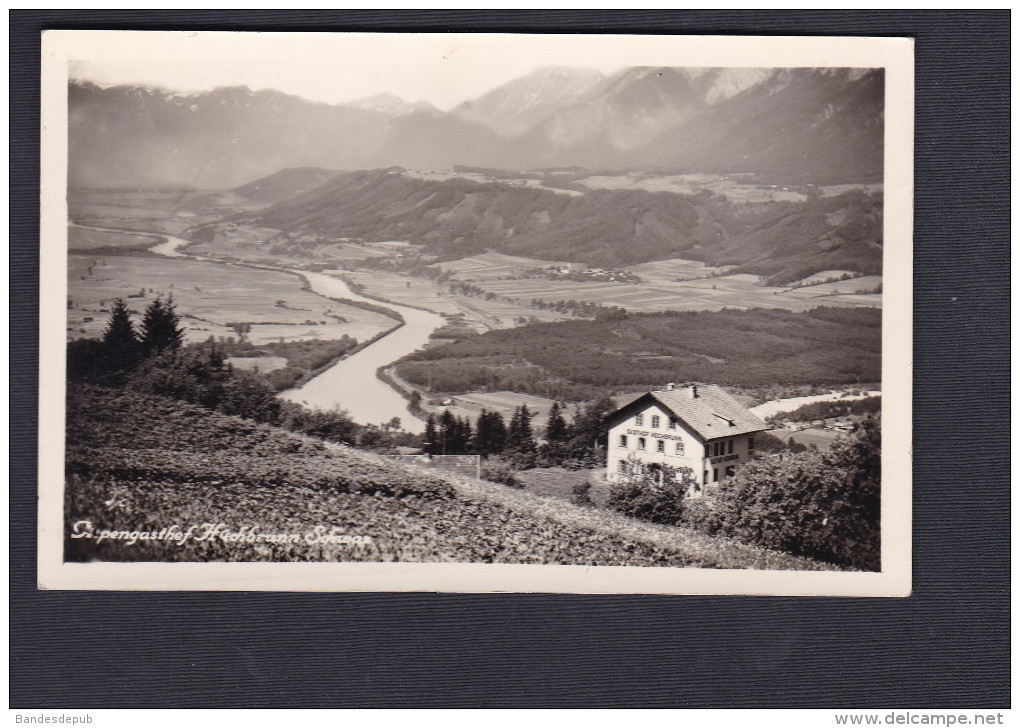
(441, 69)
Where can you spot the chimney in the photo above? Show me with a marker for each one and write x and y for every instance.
(670, 386)
(694, 391)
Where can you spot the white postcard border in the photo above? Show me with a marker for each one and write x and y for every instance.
(893, 54)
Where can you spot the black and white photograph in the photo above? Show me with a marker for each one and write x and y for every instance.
(476, 313)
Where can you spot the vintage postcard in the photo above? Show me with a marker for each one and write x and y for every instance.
(476, 313)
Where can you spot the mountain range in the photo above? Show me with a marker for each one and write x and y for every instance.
(820, 125)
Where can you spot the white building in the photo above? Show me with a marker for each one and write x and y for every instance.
(700, 427)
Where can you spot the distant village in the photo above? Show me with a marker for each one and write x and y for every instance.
(580, 272)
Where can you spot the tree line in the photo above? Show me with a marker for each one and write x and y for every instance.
(579, 443)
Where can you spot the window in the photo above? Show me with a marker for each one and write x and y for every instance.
(623, 441)
(715, 475)
(679, 448)
(672, 423)
(639, 420)
(655, 422)
(623, 466)
(750, 443)
(641, 443)
(660, 446)
(729, 471)
(730, 447)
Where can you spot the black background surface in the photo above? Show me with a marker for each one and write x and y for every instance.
(946, 646)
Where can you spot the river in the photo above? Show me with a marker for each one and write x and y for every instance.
(775, 406)
(351, 384)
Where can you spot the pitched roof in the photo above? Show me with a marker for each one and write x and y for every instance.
(713, 413)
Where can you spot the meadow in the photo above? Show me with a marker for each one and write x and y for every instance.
(85, 240)
(481, 313)
(169, 211)
(210, 297)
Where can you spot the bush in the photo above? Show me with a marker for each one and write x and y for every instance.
(499, 471)
(581, 493)
(820, 505)
(643, 496)
(701, 514)
(205, 379)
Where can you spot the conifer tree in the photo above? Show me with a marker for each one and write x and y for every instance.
(447, 433)
(465, 436)
(161, 329)
(431, 439)
(588, 429)
(556, 428)
(519, 436)
(120, 342)
(490, 433)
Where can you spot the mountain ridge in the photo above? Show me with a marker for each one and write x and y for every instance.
(820, 125)
(607, 228)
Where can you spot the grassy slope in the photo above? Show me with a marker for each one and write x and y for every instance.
(144, 463)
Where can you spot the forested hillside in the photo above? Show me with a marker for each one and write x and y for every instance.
(578, 360)
(607, 228)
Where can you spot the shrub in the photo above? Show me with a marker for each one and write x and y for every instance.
(701, 514)
(659, 500)
(821, 505)
(499, 471)
(581, 492)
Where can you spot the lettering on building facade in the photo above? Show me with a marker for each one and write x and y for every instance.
(659, 435)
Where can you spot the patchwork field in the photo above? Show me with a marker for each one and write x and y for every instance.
(476, 311)
(210, 297)
(861, 284)
(170, 211)
(822, 276)
(692, 184)
(492, 266)
(254, 243)
(668, 285)
(675, 269)
(735, 188)
(409, 291)
(81, 239)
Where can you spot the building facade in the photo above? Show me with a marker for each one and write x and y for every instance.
(699, 427)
